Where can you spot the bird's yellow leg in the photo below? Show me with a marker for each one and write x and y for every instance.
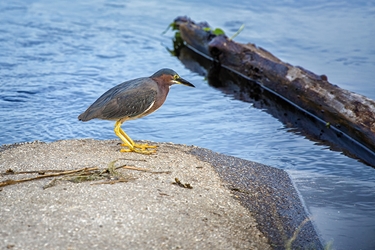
(143, 146)
(123, 138)
(128, 142)
(127, 137)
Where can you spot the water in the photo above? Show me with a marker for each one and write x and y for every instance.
(57, 57)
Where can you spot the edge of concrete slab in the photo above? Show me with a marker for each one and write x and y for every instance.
(269, 194)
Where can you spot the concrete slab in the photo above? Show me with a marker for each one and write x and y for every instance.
(147, 210)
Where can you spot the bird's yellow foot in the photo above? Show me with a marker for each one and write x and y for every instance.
(138, 150)
(144, 146)
(141, 146)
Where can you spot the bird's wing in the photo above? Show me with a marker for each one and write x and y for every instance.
(126, 99)
(130, 103)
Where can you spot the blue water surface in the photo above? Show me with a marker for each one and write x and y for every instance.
(57, 57)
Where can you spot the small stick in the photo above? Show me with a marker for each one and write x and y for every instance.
(41, 172)
(134, 168)
(12, 182)
(143, 169)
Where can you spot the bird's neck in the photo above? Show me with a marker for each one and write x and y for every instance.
(162, 93)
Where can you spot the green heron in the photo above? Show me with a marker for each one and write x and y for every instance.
(132, 100)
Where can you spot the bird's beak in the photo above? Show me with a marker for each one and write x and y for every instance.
(184, 82)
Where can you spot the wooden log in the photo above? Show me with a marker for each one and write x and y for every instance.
(350, 113)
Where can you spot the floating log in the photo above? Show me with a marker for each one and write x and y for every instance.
(346, 113)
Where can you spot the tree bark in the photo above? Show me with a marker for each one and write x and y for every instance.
(352, 114)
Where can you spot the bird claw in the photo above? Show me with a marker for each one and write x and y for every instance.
(144, 146)
(139, 148)
(139, 151)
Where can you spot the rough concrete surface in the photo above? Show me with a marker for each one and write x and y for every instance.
(146, 211)
(216, 202)
(270, 196)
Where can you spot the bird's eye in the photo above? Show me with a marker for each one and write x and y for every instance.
(175, 77)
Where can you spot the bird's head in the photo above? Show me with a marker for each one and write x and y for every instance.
(169, 77)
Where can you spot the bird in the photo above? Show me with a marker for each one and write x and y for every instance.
(131, 100)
